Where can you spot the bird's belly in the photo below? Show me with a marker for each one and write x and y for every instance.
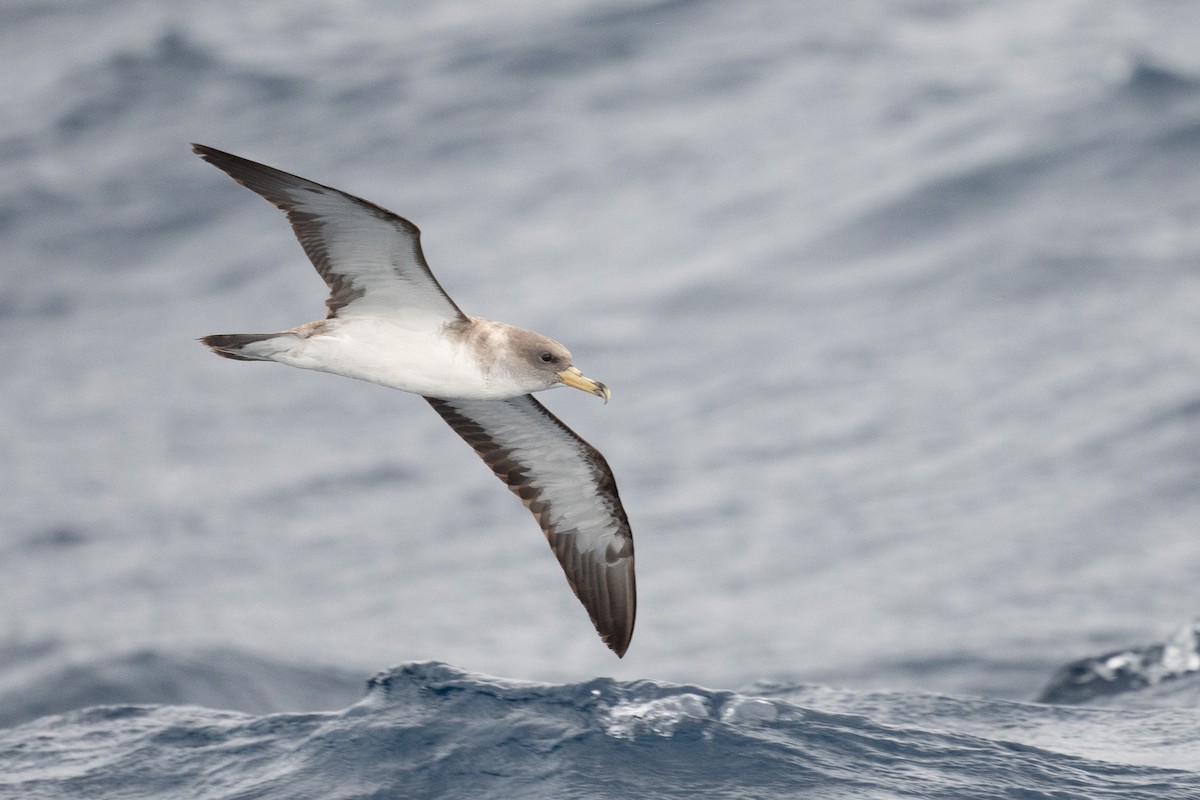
(423, 362)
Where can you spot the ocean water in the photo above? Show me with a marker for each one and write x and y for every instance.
(429, 730)
(899, 303)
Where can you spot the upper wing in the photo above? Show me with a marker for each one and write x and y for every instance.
(370, 258)
(568, 486)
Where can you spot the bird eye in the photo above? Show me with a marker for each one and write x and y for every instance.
(546, 358)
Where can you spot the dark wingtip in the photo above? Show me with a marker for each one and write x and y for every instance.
(222, 160)
(214, 156)
(618, 642)
(617, 630)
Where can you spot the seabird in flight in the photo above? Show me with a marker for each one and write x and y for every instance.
(391, 323)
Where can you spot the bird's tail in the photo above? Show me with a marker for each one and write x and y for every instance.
(234, 345)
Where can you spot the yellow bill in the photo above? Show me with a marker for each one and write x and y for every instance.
(572, 377)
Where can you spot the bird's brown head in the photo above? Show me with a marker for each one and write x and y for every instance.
(551, 361)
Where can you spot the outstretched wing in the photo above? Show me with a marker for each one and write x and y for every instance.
(568, 486)
(370, 258)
